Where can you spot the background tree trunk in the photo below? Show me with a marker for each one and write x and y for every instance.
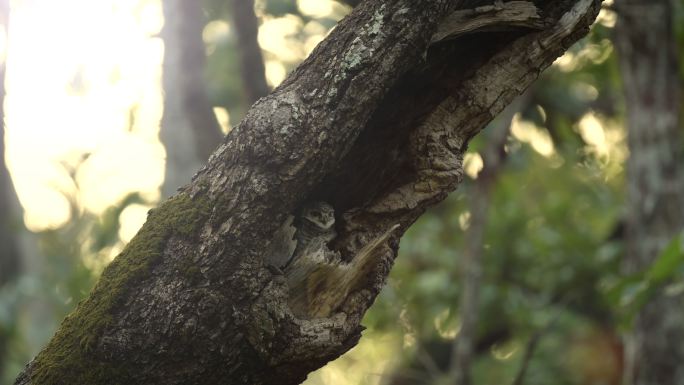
(251, 60)
(655, 180)
(11, 221)
(9, 203)
(374, 122)
(493, 158)
(189, 129)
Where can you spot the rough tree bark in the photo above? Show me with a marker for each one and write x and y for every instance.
(374, 122)
(189, 128)
(655, 201)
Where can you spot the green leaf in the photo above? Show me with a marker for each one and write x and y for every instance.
(667, 263)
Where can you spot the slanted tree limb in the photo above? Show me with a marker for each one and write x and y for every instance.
(375, 123)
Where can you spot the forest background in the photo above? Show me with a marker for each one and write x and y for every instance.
(96, 134)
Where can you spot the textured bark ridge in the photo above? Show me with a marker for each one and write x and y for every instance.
(375, 122)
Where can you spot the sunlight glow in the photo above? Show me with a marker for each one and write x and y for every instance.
(127, 163)
(542, 112)
(330, 9)
(286, 40)
(593, 134)
(214, 33)
(590, 53)
(503, 352)
(584, 91)
(566, 62)
(464, 220)
(606, 16)
(278, 37)
(598, 53)
(315, 8)
(317, 32)
(3, 46)
(223, 118)
(472, 164)
(409, 340)
(366, 364)
(73, 83)
(275, 72)
(446, 327)
(606, 140)
(537, 137)
(132, 218)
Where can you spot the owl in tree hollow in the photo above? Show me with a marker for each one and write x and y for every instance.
(315, 228)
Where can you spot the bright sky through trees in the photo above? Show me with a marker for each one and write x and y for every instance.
(77, 69)
(85, 77)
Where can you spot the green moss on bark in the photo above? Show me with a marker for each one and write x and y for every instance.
(70, 358)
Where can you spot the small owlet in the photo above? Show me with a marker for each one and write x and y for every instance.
(315, 228)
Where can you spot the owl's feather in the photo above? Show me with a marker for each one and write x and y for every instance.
(314, 229)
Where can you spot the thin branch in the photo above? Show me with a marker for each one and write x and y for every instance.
(530, 348)
(463, 346)
(425, 358)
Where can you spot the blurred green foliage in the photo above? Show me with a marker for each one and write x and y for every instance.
(70, 259)
(628, 294)
(553, 244)
(224, 82)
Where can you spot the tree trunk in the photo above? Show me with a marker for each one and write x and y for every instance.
(9, 218)
(10, 210)
(190, 131)
(251, 60)
(655, 180)
(374, 122)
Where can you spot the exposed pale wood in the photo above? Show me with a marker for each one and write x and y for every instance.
(497, 17)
